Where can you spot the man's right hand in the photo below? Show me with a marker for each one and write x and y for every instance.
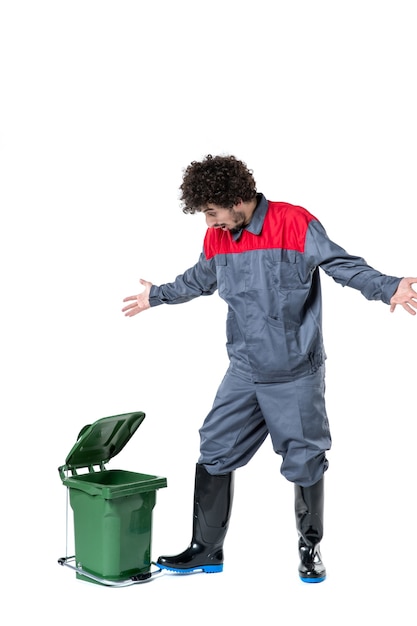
(138, 303)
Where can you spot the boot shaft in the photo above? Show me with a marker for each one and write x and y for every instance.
(309, 508)
(213, 498)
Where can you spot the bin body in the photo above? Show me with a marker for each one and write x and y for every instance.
(112, 509)
(112, 531)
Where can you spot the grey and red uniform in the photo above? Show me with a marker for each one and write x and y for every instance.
(268, 274)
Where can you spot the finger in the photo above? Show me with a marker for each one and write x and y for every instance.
(129, 298)
(145, 283)
(409, 309)
(129, 306)
(410, 302)
(133, 310)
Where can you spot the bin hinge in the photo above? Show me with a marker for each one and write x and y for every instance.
(64, 469)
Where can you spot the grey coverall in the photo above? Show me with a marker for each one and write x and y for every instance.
(268, 273)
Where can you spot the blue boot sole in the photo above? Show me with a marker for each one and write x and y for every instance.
(207, 569)
(313, 580)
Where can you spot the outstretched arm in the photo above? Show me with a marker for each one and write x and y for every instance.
(405, 295)
(354, 271)
(138, 303)
(199, 280)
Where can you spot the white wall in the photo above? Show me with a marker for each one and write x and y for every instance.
(103, 104)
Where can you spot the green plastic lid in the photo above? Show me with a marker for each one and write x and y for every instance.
(97, 443)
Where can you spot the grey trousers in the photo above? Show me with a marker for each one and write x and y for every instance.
(292, 413)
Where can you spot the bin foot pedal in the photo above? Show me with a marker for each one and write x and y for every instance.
(133, 580)
(141, 577)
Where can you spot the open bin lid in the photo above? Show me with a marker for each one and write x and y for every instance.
(97, 443)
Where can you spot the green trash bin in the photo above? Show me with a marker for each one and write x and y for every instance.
(112, 509)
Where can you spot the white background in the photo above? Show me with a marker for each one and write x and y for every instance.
(102, 106)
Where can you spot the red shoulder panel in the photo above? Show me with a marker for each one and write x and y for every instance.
(285, 227)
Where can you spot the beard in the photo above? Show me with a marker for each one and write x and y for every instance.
(239, 221)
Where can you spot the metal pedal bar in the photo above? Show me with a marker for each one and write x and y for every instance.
(133, 580)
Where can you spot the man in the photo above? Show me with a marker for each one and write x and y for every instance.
(263, 257)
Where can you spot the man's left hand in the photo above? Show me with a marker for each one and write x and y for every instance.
(406, 296)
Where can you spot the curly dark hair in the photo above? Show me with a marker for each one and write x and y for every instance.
(221, 180)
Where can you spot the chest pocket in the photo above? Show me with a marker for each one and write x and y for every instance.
(282, 268)
(285, 275)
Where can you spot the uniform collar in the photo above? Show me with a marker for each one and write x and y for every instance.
(258, 217)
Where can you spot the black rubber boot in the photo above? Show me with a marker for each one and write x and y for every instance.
(213, 497)
(309, 505)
